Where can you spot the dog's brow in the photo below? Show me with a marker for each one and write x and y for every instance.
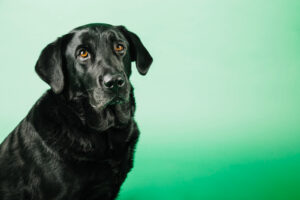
(112, 35)
(87, 38)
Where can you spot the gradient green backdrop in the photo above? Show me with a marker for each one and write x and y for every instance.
(219, 109)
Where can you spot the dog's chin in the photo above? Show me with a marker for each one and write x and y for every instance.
(107, 114)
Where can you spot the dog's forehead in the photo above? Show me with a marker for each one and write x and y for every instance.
(95, 35)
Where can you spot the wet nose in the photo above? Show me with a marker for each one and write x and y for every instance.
(113, 81)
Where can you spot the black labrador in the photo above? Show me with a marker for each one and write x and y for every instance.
(78, 140)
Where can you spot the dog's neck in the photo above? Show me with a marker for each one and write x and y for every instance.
(63, 126)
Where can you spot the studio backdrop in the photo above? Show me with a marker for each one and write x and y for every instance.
(219, 110)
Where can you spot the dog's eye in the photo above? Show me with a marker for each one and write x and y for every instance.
(83, 53)
(119, 48)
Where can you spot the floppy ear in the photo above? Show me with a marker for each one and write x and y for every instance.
(49, 64)
(138, 52)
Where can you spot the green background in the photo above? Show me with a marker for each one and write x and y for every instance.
(219, 109)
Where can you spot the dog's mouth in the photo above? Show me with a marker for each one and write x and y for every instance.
(101, 105)
(99, 100)
(116, 100)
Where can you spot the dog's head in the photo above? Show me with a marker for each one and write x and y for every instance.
(94, 61)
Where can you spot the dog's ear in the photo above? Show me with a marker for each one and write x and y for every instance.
(138, 52)
(50, 63)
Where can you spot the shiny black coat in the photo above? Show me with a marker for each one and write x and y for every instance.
(50, 155)
(77, 141)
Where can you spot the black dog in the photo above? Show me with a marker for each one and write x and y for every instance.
(78, 140)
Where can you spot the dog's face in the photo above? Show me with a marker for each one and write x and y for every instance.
(99, 63)
(94, 61)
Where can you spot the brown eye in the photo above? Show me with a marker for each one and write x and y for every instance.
(83, 53)
(119, 47)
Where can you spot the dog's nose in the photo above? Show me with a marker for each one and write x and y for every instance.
(113, 81)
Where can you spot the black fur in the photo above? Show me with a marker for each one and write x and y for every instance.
(76, 143)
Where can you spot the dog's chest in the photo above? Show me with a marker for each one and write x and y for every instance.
(102, 177)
